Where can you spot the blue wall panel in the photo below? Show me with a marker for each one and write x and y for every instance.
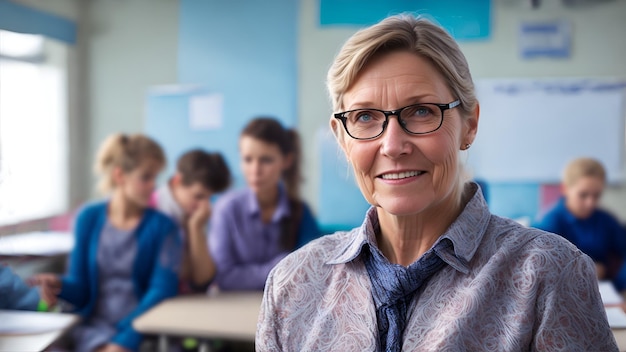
(23, 19)
(245, 51)
(465, 20)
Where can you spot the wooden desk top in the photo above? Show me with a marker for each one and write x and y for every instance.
(32, 331)
(228, 315)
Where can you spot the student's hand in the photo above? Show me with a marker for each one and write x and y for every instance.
(600, 271)
(111, 347)
(50, 286)
(200, 217)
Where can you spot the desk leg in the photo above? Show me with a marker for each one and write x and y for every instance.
(163, 344)
(204, 346)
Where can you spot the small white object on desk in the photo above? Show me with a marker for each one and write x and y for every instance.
(43, 244)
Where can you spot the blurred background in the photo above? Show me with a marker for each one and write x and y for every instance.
(191, 73)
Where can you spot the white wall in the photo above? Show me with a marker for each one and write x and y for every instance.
(133, 44)
(598, 49)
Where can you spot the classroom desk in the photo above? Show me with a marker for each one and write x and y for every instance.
(34, 252)
(224, 315)
(32, 331)
(620, 337)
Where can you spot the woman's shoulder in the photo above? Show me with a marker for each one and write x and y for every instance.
(91, 210)
(93, 206)
(524, 242)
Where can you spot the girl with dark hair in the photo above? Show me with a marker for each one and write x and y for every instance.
(253, 228)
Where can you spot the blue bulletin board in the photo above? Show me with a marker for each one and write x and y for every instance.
(465, 20)
(169, 119)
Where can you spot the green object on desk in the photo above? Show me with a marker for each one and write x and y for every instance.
(190, 343)
(42, 306)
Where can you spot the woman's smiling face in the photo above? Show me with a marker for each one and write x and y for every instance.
(406, 174)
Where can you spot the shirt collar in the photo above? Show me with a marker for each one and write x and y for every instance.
(465, 233)
(282, 208)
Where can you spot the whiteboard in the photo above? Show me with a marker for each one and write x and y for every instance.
(529, 129)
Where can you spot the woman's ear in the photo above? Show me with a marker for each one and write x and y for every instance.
(336, 129)
(471, 126)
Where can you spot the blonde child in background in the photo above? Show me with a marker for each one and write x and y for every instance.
(186, 199)
(127, 255)
(578, 217)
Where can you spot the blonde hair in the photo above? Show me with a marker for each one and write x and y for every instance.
(407, 33)
(126, 152)
(583, 167)
(403, 33)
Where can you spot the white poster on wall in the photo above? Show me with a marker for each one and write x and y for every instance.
(205, 112)
(529, 129)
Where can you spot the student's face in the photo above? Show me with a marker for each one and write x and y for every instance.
(262, 164)
(138, 184)
(189, 197)
(582, 197)
(401, 173)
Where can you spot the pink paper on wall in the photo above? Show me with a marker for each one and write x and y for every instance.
(548, 195)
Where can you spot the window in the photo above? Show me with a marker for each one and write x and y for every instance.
(33, 127)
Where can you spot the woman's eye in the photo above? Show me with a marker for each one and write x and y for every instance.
(365, 116)
(422, 111)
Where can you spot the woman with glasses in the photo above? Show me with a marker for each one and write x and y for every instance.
(430, 269)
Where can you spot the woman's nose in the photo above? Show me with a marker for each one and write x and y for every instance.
(394, 140)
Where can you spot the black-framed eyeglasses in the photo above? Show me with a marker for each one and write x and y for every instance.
(420, 118)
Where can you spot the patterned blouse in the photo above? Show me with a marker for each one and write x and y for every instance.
(504, 288)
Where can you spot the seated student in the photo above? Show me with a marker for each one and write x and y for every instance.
(186, 198)
(576, 216)
(127, 255)
(16, 294)
(253, 228)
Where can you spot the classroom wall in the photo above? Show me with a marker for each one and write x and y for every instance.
(243, 54)
(121, 70)
(598, 49)
(132, 46)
